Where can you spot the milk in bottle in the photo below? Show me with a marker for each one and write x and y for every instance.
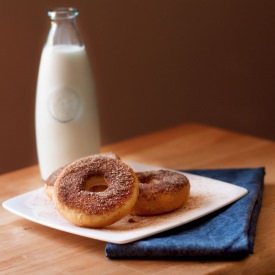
(66, 115)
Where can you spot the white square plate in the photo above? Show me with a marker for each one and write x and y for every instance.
(207, 195)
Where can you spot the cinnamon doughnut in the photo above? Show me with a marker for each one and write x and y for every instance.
(160, 192)
(49, 183)
(76, 202)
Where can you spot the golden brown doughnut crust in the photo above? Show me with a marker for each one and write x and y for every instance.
(49, 183)
(160, 192)
(96, 209)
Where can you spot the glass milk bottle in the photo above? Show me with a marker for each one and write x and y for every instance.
(66, 115)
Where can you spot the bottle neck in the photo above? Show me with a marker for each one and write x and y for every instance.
(63, 29)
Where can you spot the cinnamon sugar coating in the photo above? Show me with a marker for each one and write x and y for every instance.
(153, 183)
(71, 188)
(160, 192)
(52, 178)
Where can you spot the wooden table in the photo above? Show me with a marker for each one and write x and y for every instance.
(30, 248)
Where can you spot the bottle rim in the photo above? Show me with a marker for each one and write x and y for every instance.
(63, 13)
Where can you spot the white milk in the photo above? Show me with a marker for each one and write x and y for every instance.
(66, 115)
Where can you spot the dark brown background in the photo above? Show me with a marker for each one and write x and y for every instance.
(156, 63)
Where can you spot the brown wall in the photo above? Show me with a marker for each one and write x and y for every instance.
(156, 63)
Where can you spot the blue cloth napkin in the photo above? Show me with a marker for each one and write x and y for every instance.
(228, 233)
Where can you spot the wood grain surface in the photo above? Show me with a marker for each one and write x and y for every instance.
(30, 248)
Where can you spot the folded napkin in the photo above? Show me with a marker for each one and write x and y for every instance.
(228, 233)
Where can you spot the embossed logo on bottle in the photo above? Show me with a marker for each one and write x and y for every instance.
(64, 104)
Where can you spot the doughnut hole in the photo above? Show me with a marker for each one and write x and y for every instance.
(152, 181)
(96, 184)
